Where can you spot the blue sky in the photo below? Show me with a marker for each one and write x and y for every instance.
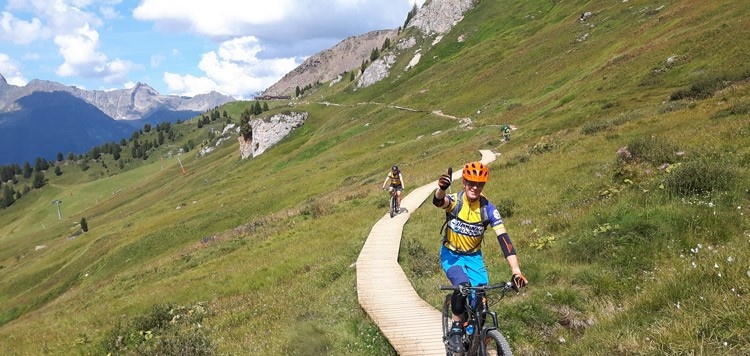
(181, 47)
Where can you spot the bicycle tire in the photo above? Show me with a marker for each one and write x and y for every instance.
(393, 205)
(447, 322)
(495, 344)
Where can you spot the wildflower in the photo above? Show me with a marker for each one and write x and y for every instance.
(730, 259)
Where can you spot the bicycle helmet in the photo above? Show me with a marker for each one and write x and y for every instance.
(394, 168)
(476, 172)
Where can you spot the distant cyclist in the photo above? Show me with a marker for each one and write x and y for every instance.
(397, 182)
(506, 133)
(468, 214)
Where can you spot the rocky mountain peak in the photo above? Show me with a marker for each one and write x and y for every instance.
(328, 64)
(436, 17)
(121, 104)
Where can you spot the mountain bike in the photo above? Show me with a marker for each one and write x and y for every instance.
(481, 334)
(395, 209)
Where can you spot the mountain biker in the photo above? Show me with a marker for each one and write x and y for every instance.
(468, 214)
(506, 133)
(397, 182)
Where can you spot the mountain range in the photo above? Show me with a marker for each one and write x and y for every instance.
(43, 118)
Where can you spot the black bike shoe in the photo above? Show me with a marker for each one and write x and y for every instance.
(455, 344)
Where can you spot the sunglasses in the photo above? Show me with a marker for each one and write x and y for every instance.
(469, 183)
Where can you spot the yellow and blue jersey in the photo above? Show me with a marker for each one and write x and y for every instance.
(466, 227)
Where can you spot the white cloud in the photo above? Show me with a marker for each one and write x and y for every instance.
(189, 85)
(234, 69)
(81, 57)
(11, 72)
(19, 31)
(216, 18)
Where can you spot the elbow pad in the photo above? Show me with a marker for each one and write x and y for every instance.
(506, 245)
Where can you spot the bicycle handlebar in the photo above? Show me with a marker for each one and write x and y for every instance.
(504, 287)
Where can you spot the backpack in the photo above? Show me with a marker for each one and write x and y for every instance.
(456, 209)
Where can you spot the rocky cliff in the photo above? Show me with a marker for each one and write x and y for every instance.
(435, 18)
(439, 16)
(327, 65)
(267, 132)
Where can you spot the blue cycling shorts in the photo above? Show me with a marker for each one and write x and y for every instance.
(461, 268)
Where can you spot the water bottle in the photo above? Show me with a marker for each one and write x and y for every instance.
(469, 329)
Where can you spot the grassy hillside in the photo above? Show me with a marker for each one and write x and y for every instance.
(624, 254)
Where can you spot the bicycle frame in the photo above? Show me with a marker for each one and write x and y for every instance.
(480, 323)
(478, 315)
(393, 203)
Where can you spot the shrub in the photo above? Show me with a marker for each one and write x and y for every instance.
(700, 90)
(163, 330)
(422, 261)
(506, 207)
(736, 109)
(703, 174)
(544, 147)
(654, 150)
(315, 208)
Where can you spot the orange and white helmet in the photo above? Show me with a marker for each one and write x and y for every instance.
(476, 172)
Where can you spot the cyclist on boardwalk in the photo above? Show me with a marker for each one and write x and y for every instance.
(397, 182)
(506, 133)
(468, 214)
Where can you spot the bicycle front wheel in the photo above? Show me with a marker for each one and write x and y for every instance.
(495, 344)
(447, 322)
(393, 205)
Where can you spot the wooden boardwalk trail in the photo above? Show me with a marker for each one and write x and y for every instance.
(412, 326)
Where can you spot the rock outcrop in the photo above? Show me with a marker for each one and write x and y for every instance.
(266, 132)
(439, 16)
(378, 70)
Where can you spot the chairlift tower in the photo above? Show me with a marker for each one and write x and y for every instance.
(58, 202)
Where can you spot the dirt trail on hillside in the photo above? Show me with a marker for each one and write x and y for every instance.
(464, 121)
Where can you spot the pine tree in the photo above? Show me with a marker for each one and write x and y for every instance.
(27, 170)
(245, 130)
(411, 14)
(8, 197)
(386, 44)
(84, 225)
(39, 180)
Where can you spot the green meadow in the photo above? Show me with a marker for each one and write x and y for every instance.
(625, 188)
